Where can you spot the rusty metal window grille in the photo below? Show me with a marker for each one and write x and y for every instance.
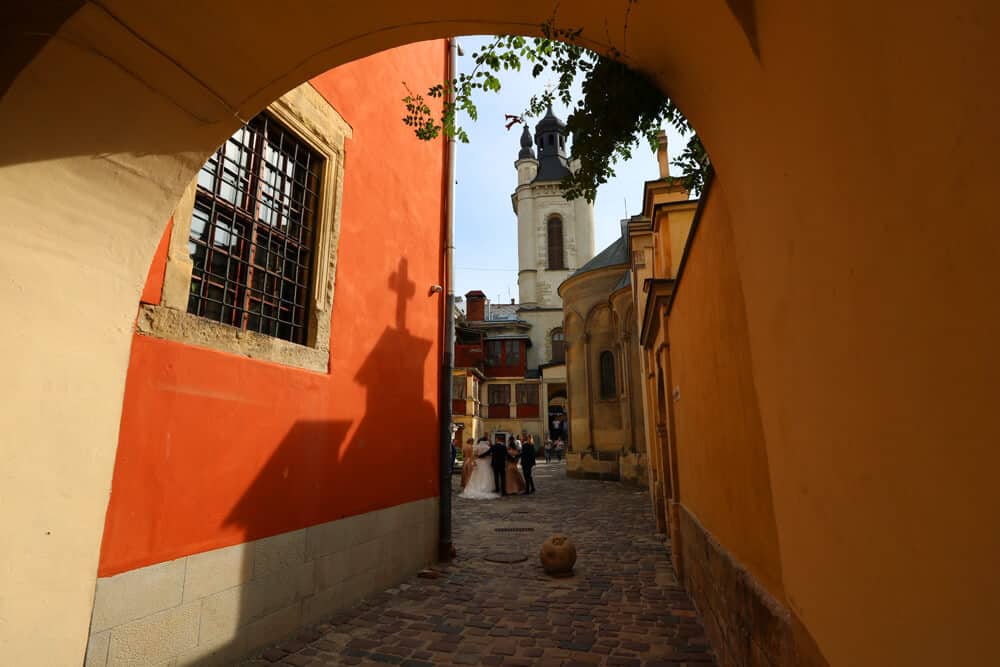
(253, 231)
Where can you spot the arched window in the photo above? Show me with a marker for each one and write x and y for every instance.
(558, 346)
(555, 238)
(608, 388)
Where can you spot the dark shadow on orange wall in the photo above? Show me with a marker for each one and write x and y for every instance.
(299, 572)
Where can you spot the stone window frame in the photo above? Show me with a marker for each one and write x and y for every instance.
(308, 115)
(549, 250)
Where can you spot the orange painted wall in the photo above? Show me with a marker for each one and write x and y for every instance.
(216, 449)
(152, 291)
(721, 450)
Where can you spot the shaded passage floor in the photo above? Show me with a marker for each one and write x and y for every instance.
(623, 606)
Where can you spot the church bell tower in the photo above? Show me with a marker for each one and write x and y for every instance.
(554, 236)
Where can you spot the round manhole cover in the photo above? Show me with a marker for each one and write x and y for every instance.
(506, 557)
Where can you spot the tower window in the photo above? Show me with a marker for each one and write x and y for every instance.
(558, 346)
(608, 386)
(555, 238)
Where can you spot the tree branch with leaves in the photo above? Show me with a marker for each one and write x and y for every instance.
(619, 107)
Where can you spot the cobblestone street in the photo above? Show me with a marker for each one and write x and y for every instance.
(623, 606)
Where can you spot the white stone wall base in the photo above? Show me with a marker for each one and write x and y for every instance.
(219, 606)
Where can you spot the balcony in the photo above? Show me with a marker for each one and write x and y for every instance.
(458, 406)
(469, 355)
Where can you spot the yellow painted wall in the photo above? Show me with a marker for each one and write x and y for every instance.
(721, 453)
(857, 141)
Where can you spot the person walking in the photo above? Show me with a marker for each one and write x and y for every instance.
(528, 463)
(548, 450)
(559, 449)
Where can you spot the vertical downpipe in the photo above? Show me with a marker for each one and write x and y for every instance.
(446, 551)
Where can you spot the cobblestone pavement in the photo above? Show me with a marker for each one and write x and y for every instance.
(623, 605)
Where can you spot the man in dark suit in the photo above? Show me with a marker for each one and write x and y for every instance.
(498, 461)
(527, 463)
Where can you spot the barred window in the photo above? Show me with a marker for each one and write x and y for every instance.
(253, 229)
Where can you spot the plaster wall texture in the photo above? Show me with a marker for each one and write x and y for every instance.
(721, 450)
(630, 371)
(863, 391)
(607, 424)
(633, 468)
(542, 323)
(262, 448)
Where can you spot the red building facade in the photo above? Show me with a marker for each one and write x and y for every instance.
(269, 447)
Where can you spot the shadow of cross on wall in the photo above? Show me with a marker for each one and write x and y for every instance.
(322, 472)
(397, 407)
(404, 288)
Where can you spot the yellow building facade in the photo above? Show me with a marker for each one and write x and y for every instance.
(866, 339)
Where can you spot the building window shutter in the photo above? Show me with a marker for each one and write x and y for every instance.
(555, 237)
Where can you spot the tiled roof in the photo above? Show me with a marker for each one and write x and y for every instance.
(613, 255)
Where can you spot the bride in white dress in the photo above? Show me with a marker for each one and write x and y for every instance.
(480, 484)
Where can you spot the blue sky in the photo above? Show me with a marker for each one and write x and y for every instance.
(485, 224)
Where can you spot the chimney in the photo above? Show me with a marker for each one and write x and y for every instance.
(475, 306)
(661, 154)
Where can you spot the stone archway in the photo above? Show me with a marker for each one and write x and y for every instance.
(112, 107)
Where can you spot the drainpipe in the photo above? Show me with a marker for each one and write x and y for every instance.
(445, 549)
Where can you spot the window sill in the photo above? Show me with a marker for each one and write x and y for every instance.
(183, 327)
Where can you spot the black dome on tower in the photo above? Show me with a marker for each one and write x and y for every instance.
(550, 137)
(526, 151)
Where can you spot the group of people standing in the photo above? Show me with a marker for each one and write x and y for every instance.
(554, 449)
(501, 469)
